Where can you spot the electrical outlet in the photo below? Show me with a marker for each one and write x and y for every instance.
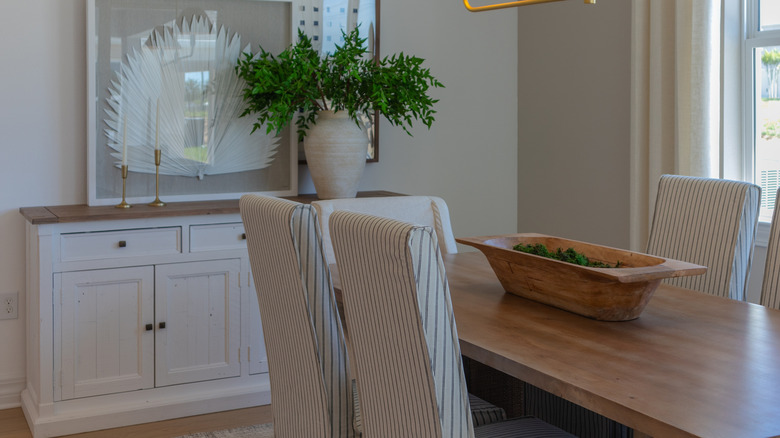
(9, 305)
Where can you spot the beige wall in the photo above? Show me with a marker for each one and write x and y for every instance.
(469, 157)
(573, 120)
(43, 141)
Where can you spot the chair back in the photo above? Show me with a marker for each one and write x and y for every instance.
(710, 222)
(307, 359)
(420, 210)
(770, 288)
(404, 341)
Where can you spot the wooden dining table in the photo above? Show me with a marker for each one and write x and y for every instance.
(692, 364)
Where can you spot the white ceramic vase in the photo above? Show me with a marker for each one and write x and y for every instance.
(336, 154)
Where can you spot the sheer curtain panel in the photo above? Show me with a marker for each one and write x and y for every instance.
(675, 98)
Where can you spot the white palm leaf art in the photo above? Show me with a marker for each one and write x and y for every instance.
(200, 131)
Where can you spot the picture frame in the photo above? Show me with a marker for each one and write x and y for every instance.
(194, 136)
(323, 24)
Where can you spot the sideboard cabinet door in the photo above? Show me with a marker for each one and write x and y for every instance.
(197, 321)
(258, 360)
(105, 345)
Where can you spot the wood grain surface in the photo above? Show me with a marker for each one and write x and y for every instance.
(607, 294)
(691, 365)
(85, 213)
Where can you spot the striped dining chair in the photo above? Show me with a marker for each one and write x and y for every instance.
(404, 339)
(420, 210)
(311, 389)
(770, 288)
(710, 222)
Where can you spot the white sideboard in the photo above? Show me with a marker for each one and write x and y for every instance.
(139, 315)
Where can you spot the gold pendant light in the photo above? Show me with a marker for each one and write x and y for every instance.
(512, 4)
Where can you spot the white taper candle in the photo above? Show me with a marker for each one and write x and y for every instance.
(124, 144)
(157, 127)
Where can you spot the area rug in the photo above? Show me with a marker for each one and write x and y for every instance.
(256, 431)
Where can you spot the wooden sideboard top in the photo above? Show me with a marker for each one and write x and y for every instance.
(85, 213)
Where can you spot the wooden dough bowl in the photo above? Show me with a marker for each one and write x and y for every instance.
(606, 294)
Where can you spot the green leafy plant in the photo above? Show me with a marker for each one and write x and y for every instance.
(771, 130)
(569, 256)
(299, 80)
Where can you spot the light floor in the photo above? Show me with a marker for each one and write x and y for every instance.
(13, 424)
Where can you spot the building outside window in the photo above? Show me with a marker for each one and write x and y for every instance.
(324, 21)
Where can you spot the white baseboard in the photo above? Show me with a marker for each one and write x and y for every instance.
(148, 405)
(11, 392)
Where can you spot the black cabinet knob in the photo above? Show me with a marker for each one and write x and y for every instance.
(149, 327)
(243, 236)
(122, 243)
(162, 325)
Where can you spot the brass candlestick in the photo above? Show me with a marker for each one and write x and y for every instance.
(157, 202)
(124, 203)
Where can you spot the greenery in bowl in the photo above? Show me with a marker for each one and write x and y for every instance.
(300, 80)
(569, 256)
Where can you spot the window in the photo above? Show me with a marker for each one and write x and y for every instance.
(769, 15)
(762, 99)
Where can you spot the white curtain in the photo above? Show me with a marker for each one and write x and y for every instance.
(675, 62)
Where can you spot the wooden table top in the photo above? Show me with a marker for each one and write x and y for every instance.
(691, 365)
(85, 213)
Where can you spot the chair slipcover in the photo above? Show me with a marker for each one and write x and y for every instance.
(710, 222)
(770, 288)
(311, 389)
(483, 412)
(405, 346)
(419, 210)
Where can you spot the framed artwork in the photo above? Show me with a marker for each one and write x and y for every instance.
(161, 77)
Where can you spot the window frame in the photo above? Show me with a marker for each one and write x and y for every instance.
(752, 39)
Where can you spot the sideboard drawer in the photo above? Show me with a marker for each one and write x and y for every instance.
(217, 237)
(120, 243)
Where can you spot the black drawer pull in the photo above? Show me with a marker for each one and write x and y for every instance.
(122, 243)
(149, 327)
(162, 325)
(243, 236)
